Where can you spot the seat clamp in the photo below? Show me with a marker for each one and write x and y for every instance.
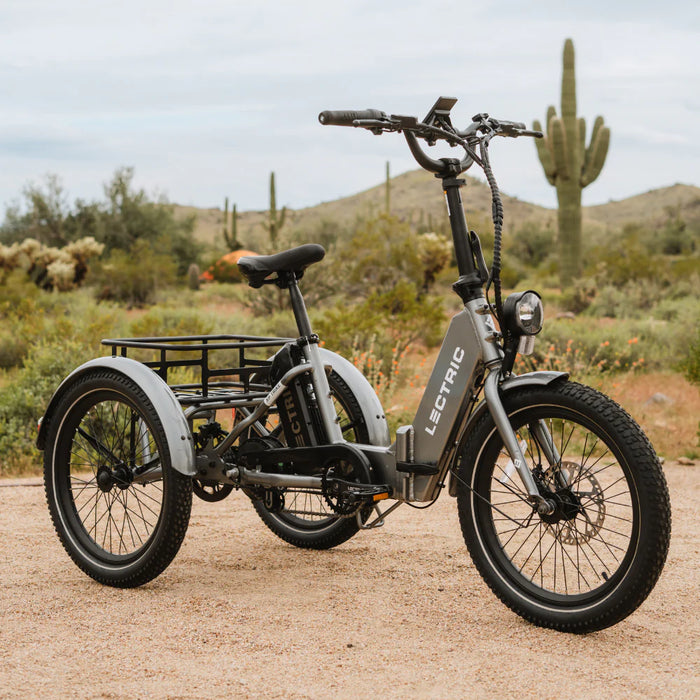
(312, 339)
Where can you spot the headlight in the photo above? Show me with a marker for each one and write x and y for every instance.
(523, 313)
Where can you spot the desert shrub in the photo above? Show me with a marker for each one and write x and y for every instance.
(579, 296)
(125, 216)
(385, 320)
(29, 316)
(160, 322)
(691, 364)
(627, 258)
(686, 269)
(588, 347)
(531, 244)
(23, 400)
(632, 300)
(382, 253)
(134, 277)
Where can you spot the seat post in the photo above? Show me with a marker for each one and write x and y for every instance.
(322, 390)
(298, 305)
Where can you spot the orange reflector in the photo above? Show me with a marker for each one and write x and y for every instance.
(380, 496)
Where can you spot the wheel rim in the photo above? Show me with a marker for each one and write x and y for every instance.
(583, 550)
(105, 442)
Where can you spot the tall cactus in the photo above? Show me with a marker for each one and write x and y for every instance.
(387, 190)
(570, 166)
(231, 238)
(275, 220)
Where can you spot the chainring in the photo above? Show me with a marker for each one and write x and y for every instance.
(210, 491)
(335, 482)
(210, 435)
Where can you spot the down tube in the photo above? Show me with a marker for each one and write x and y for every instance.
(445, 401)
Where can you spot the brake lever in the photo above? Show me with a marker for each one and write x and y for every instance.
(530, 132)
(377, 126)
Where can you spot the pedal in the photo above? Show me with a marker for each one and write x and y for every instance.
(369, 492)
(417, 468)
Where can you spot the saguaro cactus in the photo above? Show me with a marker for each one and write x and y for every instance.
(275, 220)
(231, 238)
(387, 191)
(570, 166)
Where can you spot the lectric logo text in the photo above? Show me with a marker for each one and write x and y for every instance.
(441, 401)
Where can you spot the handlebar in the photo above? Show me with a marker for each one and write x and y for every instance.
(346, 117)
(438, 126)
(482, 129)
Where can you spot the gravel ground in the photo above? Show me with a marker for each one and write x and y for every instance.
(399, 612)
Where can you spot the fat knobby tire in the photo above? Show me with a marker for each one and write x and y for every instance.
(614, 599)
(163, 543)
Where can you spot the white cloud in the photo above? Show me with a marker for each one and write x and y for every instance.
(206, 99)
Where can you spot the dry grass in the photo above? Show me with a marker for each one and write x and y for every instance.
(671, 426)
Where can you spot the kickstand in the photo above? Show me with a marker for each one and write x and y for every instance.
(379, 520)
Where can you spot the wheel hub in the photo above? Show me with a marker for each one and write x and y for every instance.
(567, 506)
(104, 479)
(108, 478)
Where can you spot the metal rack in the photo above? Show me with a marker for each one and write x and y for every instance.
(246, 381)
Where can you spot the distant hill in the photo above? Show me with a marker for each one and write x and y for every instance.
(415, 197)
(651, 208)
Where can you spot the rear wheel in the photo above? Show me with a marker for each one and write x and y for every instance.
(303, 517)
(119, 508)
(595, 559)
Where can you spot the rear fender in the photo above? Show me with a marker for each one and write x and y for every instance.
(371, 407)
(510, 384)
(172, 417)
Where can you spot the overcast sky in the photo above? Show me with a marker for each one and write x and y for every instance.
(205, 99)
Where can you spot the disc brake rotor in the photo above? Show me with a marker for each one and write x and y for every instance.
(591, 511)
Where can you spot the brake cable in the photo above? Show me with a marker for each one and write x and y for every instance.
(497, 217)
(449, 134)
(496, 204)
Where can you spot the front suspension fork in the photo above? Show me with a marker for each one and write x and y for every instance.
(505, 430)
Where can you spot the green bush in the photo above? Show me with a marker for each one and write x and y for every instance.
(585, 348)
(134, 277)
(691, 364)
(24, 399)
(386, 319)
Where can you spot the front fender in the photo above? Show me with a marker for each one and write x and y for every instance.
(177, 431)
(543, 378)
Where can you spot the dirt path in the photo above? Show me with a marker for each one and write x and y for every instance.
(400, 612)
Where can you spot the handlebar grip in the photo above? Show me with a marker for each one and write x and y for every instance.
(346, 117)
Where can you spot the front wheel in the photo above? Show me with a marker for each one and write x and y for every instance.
(595, 559)
(119, 508)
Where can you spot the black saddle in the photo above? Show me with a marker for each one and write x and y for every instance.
(257, 269)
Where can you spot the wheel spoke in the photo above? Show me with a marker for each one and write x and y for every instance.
(592, 536)
(118, 516)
